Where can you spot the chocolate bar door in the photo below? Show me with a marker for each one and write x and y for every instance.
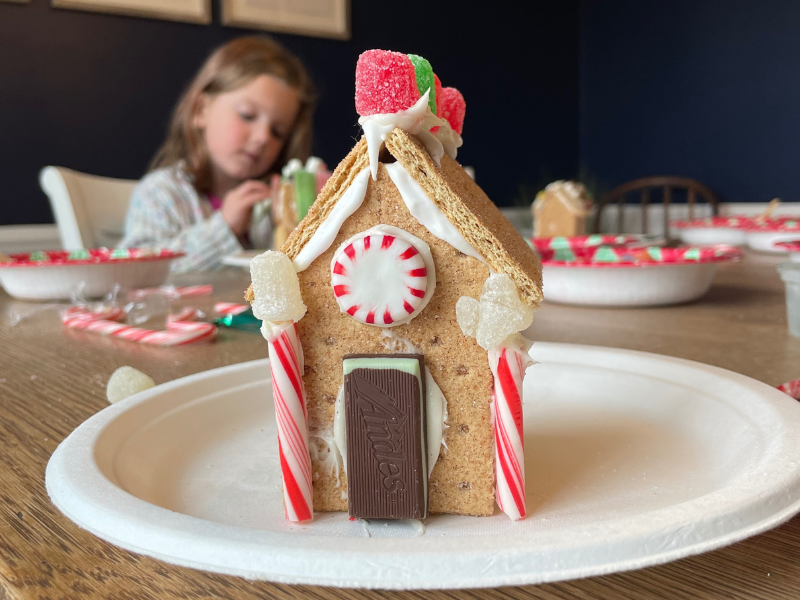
(387, 473)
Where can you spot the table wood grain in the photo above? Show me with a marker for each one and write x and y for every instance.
(51, 380)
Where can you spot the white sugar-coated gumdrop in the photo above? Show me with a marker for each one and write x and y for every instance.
(468, 315)
(500, 312)
(276, 288)
(125, 382)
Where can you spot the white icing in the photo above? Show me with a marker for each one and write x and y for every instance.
(416, 120)
(380, 285)
(424, 210)
(324, 453)
(450, 140)
(323, 237)
(435, 415)
(294, 164)
(397, 344)
(436, 419)
(339, 427)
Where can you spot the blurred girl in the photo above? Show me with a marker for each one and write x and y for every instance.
(247, 112)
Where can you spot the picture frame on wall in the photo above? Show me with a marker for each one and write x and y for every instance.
(316, 18)
(190, 11)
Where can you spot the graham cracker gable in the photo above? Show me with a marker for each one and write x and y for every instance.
(465, 204)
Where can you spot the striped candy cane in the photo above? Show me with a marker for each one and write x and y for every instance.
(286, 363)
(187, 313)
(173, 292)
(508, 364)
(177, 333)
(230, 308)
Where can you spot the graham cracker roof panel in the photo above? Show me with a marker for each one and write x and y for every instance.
(457, 196)
(472, 212)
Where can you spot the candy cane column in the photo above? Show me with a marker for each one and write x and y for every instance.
(508, 363)
(286, 364)
(278, 303)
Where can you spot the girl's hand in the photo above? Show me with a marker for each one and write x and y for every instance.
(237, 204)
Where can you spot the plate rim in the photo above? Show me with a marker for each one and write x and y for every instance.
(56, 482)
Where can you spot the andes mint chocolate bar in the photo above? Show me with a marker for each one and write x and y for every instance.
(384, 403)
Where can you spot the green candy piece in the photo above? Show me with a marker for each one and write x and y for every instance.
(305, 192)
(39, 256)
(692, 254)
(594, 240)
(564, 254)
(655, 253)
(120, 253)
(559, 242)
(425, 79)
(605, 254)
(79, 254)
(245, 321)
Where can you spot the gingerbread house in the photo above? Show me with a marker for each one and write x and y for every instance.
(404, 257)
(561, 209)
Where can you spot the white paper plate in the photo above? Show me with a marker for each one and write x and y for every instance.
(632, 459)
(241, 260)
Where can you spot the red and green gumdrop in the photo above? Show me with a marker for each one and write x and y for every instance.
(425, 79)
(386, 82)
(452, 107)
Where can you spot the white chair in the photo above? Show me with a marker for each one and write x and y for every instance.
(90, 210)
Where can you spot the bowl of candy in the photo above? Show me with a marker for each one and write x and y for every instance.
(92, 273)
(713, 230)
(764, 234)
(792, 247)
(624, 276)
(594, 240)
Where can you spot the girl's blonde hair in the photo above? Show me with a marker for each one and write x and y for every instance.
(230, 67)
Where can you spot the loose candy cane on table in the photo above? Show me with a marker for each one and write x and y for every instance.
(508, 364)
(173, 292)
(178, 333)
(187, 313)
(286, 363)
(230, 308)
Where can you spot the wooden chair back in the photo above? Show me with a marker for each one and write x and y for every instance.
(694, 191)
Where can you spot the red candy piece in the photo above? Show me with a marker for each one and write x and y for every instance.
(438, 89)
(386, 82)
(452, 108)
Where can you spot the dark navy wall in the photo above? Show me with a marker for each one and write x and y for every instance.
(93, 92)
(708, 89)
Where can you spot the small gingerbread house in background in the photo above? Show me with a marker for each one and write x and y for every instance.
(561, 209)
(393, 314)
(294, 192)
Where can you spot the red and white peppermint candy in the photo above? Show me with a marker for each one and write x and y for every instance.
(379, 277)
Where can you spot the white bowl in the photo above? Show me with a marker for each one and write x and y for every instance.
(619, 276)
(713, 235)
(764, 234)
(658, 285)
(57, 275)
(728, 230)
(765, 241)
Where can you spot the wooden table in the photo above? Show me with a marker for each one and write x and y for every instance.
(52, 380)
